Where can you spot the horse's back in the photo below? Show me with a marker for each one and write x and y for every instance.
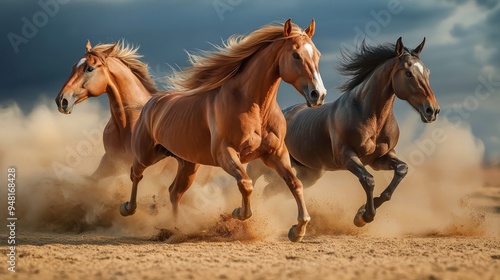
(290, 111)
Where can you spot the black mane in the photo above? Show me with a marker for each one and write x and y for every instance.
(358, 65)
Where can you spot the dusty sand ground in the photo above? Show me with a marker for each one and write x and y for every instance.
(228, 249)
(95, 256)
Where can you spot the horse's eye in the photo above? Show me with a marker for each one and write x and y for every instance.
(408, 74)
(296, 55)
(89, 69)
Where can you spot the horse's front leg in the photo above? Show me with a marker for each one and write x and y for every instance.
(281, 163)
(229, 160)
(128, 208)
(389, 162)
(366, 213)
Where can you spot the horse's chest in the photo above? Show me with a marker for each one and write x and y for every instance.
(258, 138)
(256, 144)
(250, 144)
(374, 148)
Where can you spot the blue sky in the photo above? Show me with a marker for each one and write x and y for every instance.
(42, 39)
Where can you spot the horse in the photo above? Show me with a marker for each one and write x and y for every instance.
(360, 128)
(114, 69)
(222, 111)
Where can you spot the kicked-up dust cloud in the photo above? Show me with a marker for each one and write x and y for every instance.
(54, 155)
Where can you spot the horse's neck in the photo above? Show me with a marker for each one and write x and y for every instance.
(127, 95)
(376, 95)
(261, 77)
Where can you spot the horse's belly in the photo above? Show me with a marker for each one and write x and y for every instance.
(191, 143)
(313, 155)
(192, 151)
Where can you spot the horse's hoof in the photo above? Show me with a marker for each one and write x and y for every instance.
(292, 236)
(125, 211)
(358, 219)
(237, 214)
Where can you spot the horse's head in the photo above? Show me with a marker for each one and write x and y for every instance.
(88, 78)
(298, 65)
(411, 82)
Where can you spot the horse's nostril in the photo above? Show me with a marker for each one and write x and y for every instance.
(429, 111)
(64, 104)
(314, 94)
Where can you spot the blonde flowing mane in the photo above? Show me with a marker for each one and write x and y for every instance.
(128, 55)
(211, 69)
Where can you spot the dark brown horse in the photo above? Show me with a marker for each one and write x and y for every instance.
(359, 128)
(222, 111)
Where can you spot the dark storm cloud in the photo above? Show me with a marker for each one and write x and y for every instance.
(489, 4)
(493, 34)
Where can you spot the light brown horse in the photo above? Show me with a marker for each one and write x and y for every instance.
(114, 69)
(222, 111)
(359, 128)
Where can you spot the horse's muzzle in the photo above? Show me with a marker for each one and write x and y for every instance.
(63, 105)
(428, 113)
(315, 98)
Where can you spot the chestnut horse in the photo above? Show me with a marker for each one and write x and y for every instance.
(222, 111)
(359, 128)
(114, 69)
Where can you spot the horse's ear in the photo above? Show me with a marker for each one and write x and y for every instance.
(288, 28)
(400, 48)
(310, 29)
(111, 50)
(88, 46)
(419, 48)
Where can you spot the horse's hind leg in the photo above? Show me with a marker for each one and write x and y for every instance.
(308, 176)
(186, 173)
(281, 163)
(390, 162)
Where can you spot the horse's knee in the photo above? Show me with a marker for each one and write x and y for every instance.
(401, 169)
(368, 182)
(386, 196)
(245, 186)
(135, 175)
(295, 185)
